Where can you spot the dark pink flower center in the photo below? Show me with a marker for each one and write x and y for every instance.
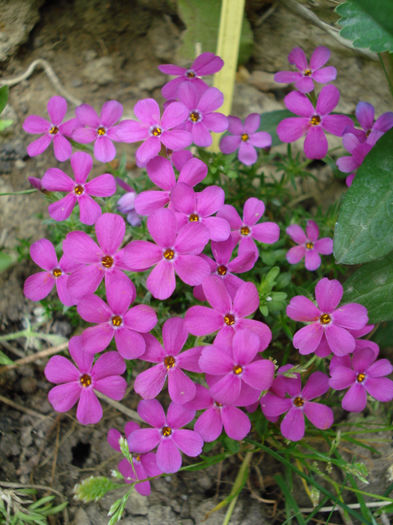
(229, 319)
(307, 72)
(190, 73)
(116, 321)
(156, 131)
(245, 230)
(85, 380)
(237, 370)
(107, 261)
(298, 401)
(195, 116)
(194, 217)
(169, 254)
(101, 131)
(56, 272)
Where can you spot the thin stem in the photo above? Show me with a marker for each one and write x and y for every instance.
(237, 486)
(23, 192)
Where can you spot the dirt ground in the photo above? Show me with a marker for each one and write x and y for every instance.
(110, 50)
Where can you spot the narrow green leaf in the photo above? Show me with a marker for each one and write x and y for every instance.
(367, 24)
(372, 286)
(3, 97)
(4, 124)
(5, 261)
(270, 120)
(4, 360)
(364, 227)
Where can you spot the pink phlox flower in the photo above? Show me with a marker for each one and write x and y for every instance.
(300, 404)
(52, 130)
(236, 366)
(284, 383)
(358, 150)
(372, 130)
(171, 362)
(116, 319)
(308, 72)
(245, 138)
(309, 246)
(179, 158)
(167, 433)
(96, 262)
(328, 324)
(217, 415)
(227, 315)
(79, 191)
(155, 130)
(78, 383)
(143, 465)
(225, 268)
(202, 117)
(312, 122)
(36, 183)
(204, 64)
(161, 173)
(101, 129)
(198, 208)
(246, 230)
(171, 253)
(40, 284)
(363, 374)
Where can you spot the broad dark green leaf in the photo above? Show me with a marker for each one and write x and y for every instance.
(3, 97)
(270, 120)
(365, 223)
(372, 286)
(368, 23)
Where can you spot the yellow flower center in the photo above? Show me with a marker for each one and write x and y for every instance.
(244, 137)
(298, 401)
(85, 380)
(307, 73)
(107, 261)
(195, 116)
(309, 245)
(101, 131)
(166, 431)
(169, 254)
(222, 270)
(237, 370)
(169, 362)
(315, 120)
(156, 131)
(193, 217)
(78, 190)
(360, 377)
(137, 458)
(245, 230)
(325, 319)
(229, 319)
(56, 272)
(190, 74)
(117, 320)
(53, 130)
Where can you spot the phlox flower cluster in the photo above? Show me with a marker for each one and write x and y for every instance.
(196, 238)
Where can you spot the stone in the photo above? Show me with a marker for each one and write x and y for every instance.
(99, 71)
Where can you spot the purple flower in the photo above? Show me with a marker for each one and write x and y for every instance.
(216, 416)
(77, 383)
(246, 230)
(161, 173)
(284, 383)
(309, 246)
(363, 375)
(174, 253)
(40, 284)
(313, 122)
(96, 262)
(372, 131)
(235, 366)
(202, 117)
(328, 324)
(143, 465)
(126, 206)
(204, 64)
(116, 320)
(358, 151)
(245, 138)
(52, 130)
(225, 268)
(197, 208)
(171, 361)
(298, 405)
(100, 129)
(308, 72)
(79, 191)
(227, 315)
(155, 130)
(167, 434)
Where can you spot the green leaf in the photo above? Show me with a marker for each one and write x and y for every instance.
(372, 286)
(4, 124)
(94, 488)
(270, 120)
(3, 97)
(368, 24)
(364, 227)
(5, 360)
(5, 261)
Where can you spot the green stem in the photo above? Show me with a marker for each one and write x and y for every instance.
(386, 60)
(23, 192)
(237, 486)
